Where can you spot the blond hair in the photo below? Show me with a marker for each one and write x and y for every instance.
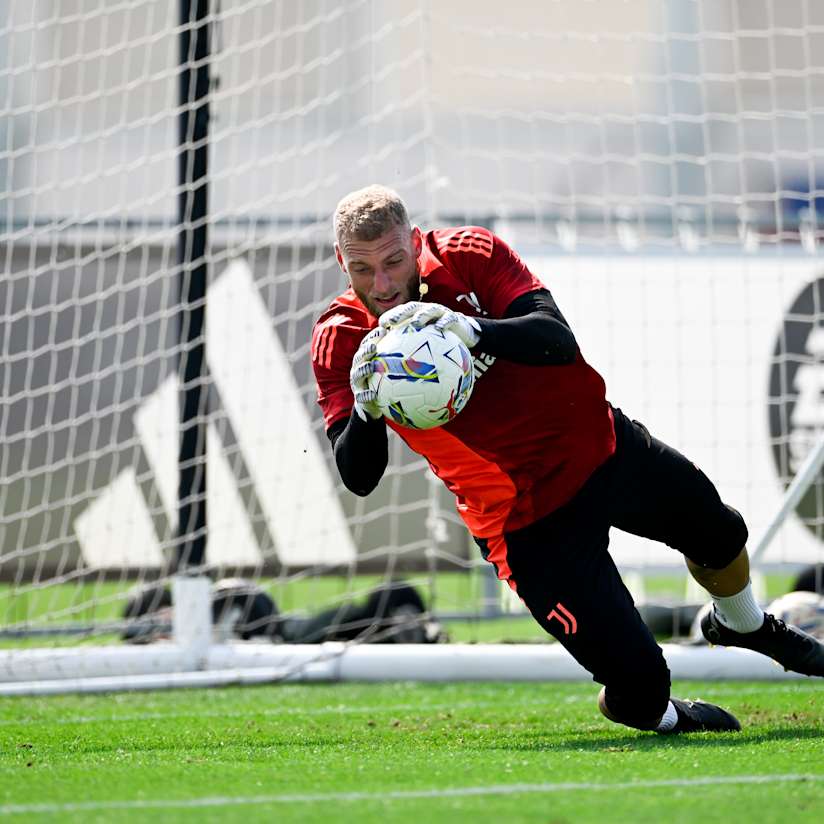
(368, 213)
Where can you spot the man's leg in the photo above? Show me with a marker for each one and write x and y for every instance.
(660, 494)
(731, 591)
(723, 582)
(684, 716)
(736, 620)
(561, 569)
(586, 607)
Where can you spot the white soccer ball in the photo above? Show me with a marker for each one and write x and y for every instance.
(423, 377)
(804, 610)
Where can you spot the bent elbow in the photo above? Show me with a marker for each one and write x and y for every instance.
(356, 483)
(569, 354)
(563, 352)
(363, 491)
(360, 480)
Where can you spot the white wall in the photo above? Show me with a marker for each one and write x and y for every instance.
(686, 346)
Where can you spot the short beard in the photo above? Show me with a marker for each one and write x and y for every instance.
(412, 289)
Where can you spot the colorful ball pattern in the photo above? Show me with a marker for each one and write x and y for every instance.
(423, 377)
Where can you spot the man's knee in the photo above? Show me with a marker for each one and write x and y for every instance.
(639, 703)
(718, 543)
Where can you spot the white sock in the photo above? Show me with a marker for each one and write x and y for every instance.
(739, 612)
(668, 720)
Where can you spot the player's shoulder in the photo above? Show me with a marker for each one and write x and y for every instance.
(340, 326)
(345, 310)
(457, 241)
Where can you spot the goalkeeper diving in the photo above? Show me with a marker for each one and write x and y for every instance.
(542, 466)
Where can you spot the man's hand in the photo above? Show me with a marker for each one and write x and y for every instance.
(466, 328)
(400, 314)
(420, 314)
(363, 365)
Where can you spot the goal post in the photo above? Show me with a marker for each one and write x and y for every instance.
(168, 173)
(193, 223)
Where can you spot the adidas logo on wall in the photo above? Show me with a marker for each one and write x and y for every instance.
(286, 466)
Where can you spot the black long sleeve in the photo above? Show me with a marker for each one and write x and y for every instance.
(534, 332)
(361, 452)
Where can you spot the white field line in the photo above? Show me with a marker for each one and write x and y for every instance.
(403, 795)
(717, 690)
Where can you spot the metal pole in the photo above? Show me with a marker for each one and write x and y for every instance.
(192, 240)
(807, 474)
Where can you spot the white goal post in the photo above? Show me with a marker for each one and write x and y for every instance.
(166, 165)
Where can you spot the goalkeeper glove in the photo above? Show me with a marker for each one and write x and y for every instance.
(466, 328)
(420, 314)
(400, 314)
(363, 366)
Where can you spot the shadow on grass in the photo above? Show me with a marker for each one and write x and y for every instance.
(641, 741)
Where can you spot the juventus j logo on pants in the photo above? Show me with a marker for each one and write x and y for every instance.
(566, 618)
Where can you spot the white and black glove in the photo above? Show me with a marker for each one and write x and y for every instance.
(400, 314)
(466, 328)
(363, 365)
(420, 314)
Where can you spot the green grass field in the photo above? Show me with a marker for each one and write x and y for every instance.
(407, 752)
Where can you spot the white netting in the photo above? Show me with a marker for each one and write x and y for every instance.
(660, 164)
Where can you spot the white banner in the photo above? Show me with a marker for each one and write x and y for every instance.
(686, 345)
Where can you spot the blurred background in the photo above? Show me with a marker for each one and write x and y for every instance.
(662, 109)
(658, 163)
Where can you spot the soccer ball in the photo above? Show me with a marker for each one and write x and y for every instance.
(804, 610)
(423, 377)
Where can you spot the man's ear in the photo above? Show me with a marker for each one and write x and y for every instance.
(339, 256)
(417, 240)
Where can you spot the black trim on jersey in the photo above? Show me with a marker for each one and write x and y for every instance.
(361, 452)
(533, 332)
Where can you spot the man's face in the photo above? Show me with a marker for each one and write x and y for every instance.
(383, 272)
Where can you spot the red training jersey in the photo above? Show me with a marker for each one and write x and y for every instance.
(529, 436)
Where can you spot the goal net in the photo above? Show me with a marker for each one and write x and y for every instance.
(658, 165)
